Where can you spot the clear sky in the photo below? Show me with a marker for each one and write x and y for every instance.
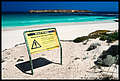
(17, 6)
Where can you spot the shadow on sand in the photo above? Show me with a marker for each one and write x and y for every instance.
(39, 62)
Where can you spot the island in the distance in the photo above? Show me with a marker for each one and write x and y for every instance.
(52, 11)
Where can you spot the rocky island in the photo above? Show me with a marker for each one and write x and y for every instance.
(53, 11)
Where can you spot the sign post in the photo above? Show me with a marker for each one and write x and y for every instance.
(41, 40)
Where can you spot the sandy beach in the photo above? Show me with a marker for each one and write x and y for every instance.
(66, 31)
(77, 62)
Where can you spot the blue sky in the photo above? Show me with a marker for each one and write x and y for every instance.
(18, 6)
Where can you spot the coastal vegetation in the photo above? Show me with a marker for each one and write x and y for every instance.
(112, 37)
(109, 36)
(97, 33)
(81, 39)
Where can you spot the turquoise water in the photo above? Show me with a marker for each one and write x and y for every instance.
(27, 19)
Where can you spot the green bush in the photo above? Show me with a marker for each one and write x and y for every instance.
(81, 39)
(112, 37)
(94, 36)
(103, 37)
(109, 37)
(98, 33)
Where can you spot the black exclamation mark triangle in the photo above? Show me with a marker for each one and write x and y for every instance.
(35, 45)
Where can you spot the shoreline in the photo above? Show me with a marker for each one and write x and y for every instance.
(56, 24)
(66, 31)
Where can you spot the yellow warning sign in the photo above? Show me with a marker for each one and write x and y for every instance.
(41, 40)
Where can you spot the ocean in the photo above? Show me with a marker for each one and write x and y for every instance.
(28, 19)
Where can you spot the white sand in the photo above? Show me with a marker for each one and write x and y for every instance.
(66, 31)
(74, 65)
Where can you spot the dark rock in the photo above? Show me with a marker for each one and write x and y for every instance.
(93, 46)
(109, 57)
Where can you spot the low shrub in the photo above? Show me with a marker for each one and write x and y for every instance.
(103, 37)
(94, 36)
(98, 33)
(81, 39)
(112, 37)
